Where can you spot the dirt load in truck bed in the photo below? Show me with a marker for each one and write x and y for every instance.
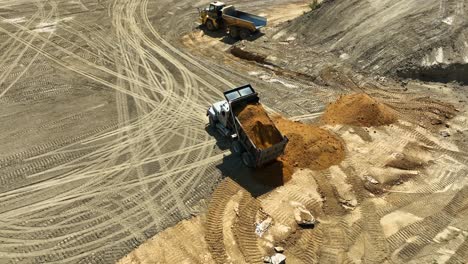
(258, 126)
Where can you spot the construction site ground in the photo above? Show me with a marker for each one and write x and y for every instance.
(105, 153)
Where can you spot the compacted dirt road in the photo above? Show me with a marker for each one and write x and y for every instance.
(103, 139)
(103, 144)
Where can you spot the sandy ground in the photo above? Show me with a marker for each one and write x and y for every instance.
(403, 38)
(359, 219)
(372, 207)
(104, 146)
(102, 114)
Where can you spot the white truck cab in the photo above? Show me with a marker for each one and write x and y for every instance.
(218, 115)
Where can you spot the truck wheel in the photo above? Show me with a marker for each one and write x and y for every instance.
(236, 147)
(210, 26)
(234, 32)
(247, 160)
(244, 34)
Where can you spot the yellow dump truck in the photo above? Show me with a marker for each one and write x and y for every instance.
(238, 24)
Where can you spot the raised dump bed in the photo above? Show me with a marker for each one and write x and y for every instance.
(239, 24)
(235, 18)
(258, 139)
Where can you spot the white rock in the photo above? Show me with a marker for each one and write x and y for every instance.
(344, 56)
(261, 228)
(278, 259)
(444, 134)
(279, 249)
(303, 217)
(371, 180)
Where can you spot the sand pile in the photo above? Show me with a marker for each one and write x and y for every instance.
(259, 126)
(309, 146)
(359, 110)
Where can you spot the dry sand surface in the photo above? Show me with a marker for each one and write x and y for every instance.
(104, 142)
(371, 204)
(226, 233)
(397, 37)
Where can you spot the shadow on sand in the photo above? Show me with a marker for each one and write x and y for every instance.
(256, 181)
(225, 38)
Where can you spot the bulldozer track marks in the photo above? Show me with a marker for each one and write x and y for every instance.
(331, 206)
(244, 229)
(425, 230)
(376, 246)
(306, 248)
(461, 255)
(314, 240)
(41, 149)
(414, 133)
(353, 232)
(332, 249)
(214, 219)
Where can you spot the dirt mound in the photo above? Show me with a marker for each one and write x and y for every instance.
(309, 146)
(359, 110)
(259, 126)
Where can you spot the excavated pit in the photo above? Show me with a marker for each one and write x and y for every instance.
(442, 73)
(247, 55)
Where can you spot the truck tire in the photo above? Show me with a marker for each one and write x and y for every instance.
(236, 147)
(209, 25)
(234, 32)
(247, 160)
(244, 34)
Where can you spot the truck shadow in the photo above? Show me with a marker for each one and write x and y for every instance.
(256, 181)
(222, 142)
(225, 38)
(232, 167)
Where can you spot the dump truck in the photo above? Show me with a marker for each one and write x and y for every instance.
(222, 117)
(238, 24)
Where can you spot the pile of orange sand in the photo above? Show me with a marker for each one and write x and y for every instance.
(309, 146)
(359, 110)
(259, 126)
